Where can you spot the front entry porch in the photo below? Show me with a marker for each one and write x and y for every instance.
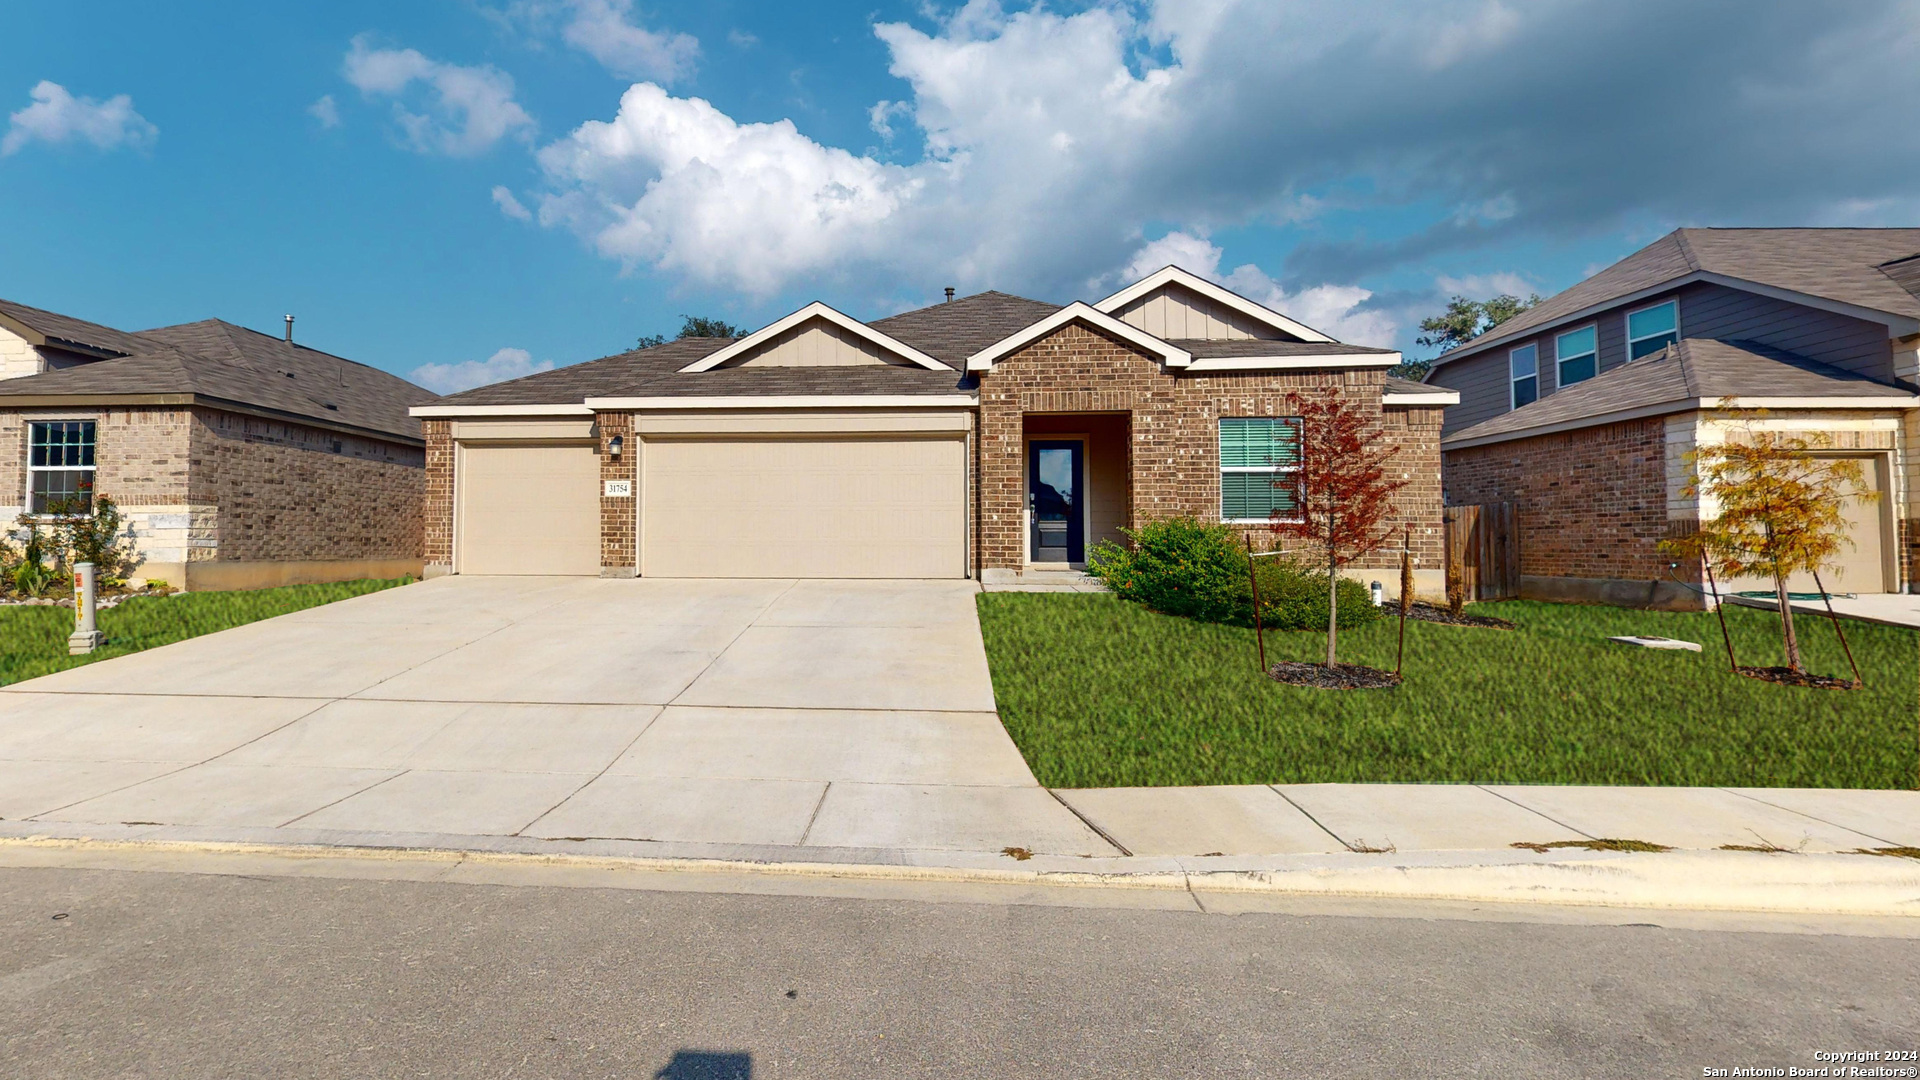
(1075, 491)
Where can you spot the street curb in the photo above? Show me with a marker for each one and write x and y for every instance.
(1785, 883)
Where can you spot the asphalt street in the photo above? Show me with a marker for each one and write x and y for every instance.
(125, 973)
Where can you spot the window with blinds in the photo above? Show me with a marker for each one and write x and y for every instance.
(1259, 468)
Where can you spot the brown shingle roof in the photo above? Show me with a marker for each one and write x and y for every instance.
(223, 362)
(66, 331)
(1834, 264)
(953, 331)
(1679, 375)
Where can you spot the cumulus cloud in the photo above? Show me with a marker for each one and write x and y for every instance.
(508, 363)
(1335, 310)
(1054, 141)
(464, 110)
(607, 31)
(56, 116)
(510, 206)
(325, 111)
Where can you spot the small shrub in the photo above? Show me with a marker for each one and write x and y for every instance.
(100, 538)
(1180, 566)
(30, 575)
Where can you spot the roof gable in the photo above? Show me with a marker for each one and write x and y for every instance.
(1222, 308)
(51, 329)
(852, 330)
(1171, 355)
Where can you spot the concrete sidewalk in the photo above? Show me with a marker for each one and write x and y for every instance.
(1889, 609)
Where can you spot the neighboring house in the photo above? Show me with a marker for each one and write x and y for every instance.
(983, 437)
(240, 460)
(1581, 411)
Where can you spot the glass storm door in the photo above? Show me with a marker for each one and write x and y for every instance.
(1055, 487)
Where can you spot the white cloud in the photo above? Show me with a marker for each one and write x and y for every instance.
(1333, 310)
(510, 206)
(56, 116)
(505, 364)
(325, 111)
(600, 29)
(467, 109)
(740, 39)
(1054, 141)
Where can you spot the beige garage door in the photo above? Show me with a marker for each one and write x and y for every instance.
(1857, 569)
(785, 507)
(528, 510)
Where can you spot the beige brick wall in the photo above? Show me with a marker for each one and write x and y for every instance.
(1174, 447)
(288, 492)
(17, 358)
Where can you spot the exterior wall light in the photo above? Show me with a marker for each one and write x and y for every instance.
(613, 447)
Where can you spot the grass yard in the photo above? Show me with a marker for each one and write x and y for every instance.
(33, 640)
(1098, 692)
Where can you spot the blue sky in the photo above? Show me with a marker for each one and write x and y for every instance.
(464, 190)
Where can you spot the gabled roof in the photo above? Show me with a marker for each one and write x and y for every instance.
(1695, 373)
(959, 328)
(223, 363)
(1173, 275)
(662, 372)
(1171, 355)
(1837, 268)
(815, 310)
(58, 331)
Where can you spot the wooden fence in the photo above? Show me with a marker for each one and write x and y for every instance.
(1483, 552)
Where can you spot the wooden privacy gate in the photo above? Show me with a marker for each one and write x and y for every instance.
(1483, 553)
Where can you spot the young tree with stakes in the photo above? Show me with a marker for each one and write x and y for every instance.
(1345, 496)
(1778, 506)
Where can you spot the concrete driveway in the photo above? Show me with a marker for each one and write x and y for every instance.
(808, 714)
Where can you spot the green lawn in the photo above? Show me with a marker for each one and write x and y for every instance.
(33, 640)
(1098, 692)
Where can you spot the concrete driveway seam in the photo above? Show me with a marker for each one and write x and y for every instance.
(731, 642)
(654, 719)
(336, 802)
(815, 816)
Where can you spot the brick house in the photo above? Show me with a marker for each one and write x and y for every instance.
(991, 437)
(239, 459)
(1581, 411)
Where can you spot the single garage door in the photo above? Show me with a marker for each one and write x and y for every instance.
(528, 509)
(813, 507)
(1860, 568)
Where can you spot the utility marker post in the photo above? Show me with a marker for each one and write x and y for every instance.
(86, 636)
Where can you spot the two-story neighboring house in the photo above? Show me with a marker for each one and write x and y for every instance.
(1581, 411)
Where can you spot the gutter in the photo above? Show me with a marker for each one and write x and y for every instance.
(108, 401)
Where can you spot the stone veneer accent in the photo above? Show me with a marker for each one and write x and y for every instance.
(619, 518)
(1174, 446)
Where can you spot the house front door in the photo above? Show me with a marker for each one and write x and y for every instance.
(1056, 493)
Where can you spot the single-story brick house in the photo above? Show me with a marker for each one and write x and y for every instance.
(239, 459)
(1581, 411)
(988, 437)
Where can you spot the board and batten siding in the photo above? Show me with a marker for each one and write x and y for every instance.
(818, 343)
(1171, 312)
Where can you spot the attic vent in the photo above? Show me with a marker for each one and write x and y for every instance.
(289, 329)
(332, 406)
(949, 300)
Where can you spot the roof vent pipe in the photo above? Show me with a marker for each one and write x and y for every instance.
(289, 329)
(949, 294)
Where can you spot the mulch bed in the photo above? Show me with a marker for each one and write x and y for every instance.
(1790, 677)
(1431, 613)
(1338, 677)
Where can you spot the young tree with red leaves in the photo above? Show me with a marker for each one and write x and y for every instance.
(1345, 496)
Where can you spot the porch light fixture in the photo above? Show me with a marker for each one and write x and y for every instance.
(613, 447)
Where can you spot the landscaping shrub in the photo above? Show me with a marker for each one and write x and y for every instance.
(99, 537)
(1180, 566)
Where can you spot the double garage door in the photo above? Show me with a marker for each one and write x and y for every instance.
(841, 506)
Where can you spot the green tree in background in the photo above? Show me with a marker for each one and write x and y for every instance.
(693, 326)
(1463, 321)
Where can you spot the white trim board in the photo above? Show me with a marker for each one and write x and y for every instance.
(1682, 405)
(1173, 275)
(1292, 363)
(1393, 397)
(815, 310)
(1079, 311)
(432, 412)
(825, 401)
